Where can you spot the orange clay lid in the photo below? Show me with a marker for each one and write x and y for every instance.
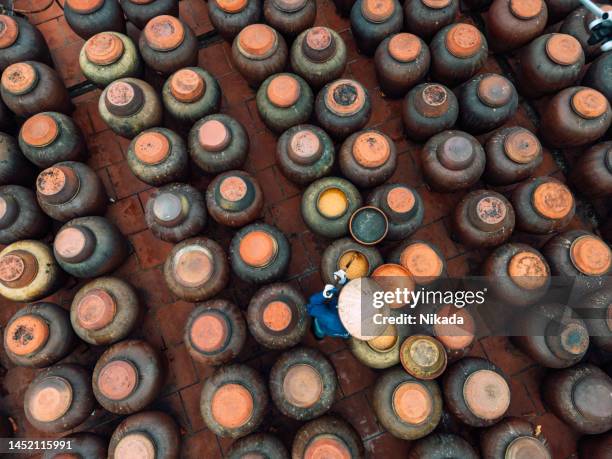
(385, 341)
(390, 270)
(233, 188)
(117, 379)
(9, 31)
(53, 180)
(436, 4)
(318, 38)
(164, 33)
(232, 405)
(135, 446)
(526, 9)
(141, 2)
(401, 199)
(14, 265)
(39, 130)
(70, 242)
(304, 147)
(19, 78)
(589, 103)
(151, 147)
(96, 309)
(290, 6)
(121, 93)
(526, 448)
(422, 261)
(553, 200)
(354, 264)
(528, 270)
(455, 336)
(412, 402)
(84, 6)
(494, 91)
(463, 40)
(521, 146)
(283, 91)
(50, 399)
(563, 49)
(491, 210)
(327, 447)
(590, 255)
(486, 394)
(214, 135)
(187, 86)
(257, 40)
(232, 6)
(277, 316)
(104, 48)
(26, 335)
(258, 248)
(404, 47)
(193, 266)
(209, 332)
(345, 97)
(332, 203)
(371, 149)
(377, 10)
(302, 386)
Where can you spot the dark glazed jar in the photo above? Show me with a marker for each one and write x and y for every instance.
(59, 398)
(513, 154)
(372, 21)
(215, 332)
(514, 23)
(425, 17)
(49, 138)
(259, 51)
(368, 158)
(130, 106)
(423, 260)
(305, 153)
(69, 190)
(487, 101)
(89, 17)
(403, 207)
(452, 161)
(290, 17)
(559, 9)
(21, 41)
(428, 109)
(234, 199)
(140, 12)
(354, 259)
(14, 167)
(580, 397)
(175, 212)
(234, 401)
(283, 101)
(577, 24)
(259, 253)
(90, 247)
(327, 435)
(229, 17)
(401, 61)
(20, 216)
(591, 174)
(196, 269)
(128, 377)
(277, 316)
(38, 335)
(513, 438)
(598, 75)
(104, 311)
(483, 218)
(440, 445)
(574, 117)
(31, 87)
(259, 444)
(82, 444)
(218, 143)
(596, 311)
(543, 205)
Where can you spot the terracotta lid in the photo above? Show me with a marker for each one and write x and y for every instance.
(151, 147)
(39, 130)
(553, 200)
(494, 91)
(18, 267)
(318, 38)
(377, 10)
(277, 316)
(486, 394)
(422, 261)
(423, 357)
(164, 33)
(590, 255)
(141, 2)
(432, 100)
(9, 31)
(371, 149)
(345, 97)
(332, 203)
(118, 379)
(257, 40)
(589, 103)
(58, 184)
(563, 49)
(591, 395)
(404, 47)
(193, 266)
(401, 199)
(456, 153)
(305, 147)
(521, 146)
(85, 6)
(213, 135)
(463, 40)
(354, 264)
(390, 270)
(104, 48)
(123, 98)
(232, 405)
(527, 448)
(26, 335)
(491, 210)
(302, 386)
(386, 341)
(209, 332)
(283, 91)
(455, 336)
(168, 208)
(135, 446)
(526, 9)
(574, 338)
(187, 86)
(436, 4)
(528, 270)
(72, 243)
(233, 188)
(412, 402)
(327, 447)
(232, 6)
(290, 6)
(96, 309)
(50, 399)
(19, 78)
(258, 248)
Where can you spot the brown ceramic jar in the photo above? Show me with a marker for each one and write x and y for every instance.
(355, 259)
(139, 12)
(591, 174)
(577, 25)
(290, 17)
(14, 167)
(82, 444)
(442, 445)
(21, 41)
(20, 215)
(89, 17)
(403, 207)
(513, 438)
(598, 75)
(423, 260)
(229, 17)
(372, 21)
(514, 23)
(428, 109)
(343, 107)
(425, 17)
(382, 351)
(327, 435)
(595, 446)
(258, 444)
(559, 9)
(596, 310)
(234, 199)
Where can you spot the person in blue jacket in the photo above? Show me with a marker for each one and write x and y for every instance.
(323, 308)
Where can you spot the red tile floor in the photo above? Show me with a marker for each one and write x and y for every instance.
(164, 323)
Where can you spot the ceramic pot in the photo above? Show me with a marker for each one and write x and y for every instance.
(559, 9)
(14, 167)
(110, 56)
(577, 24)
(229, 17)
(139, 12)
(423, 260)
(234, 199)
(403, 207)
(354, 259)
(327, 435)
(368, 225)
(595, 309)
(368, 158)
(429, 109)
(511, 437)
(373, 21)
(82, 444)
(442, 445)
(21, 41)
(259, 444)
(425, 17)
(597, 75)
(381, 352)
(20, 215)
(423, 357)
(290, 17)
(89, 17)
(514, 23)
(592, 173)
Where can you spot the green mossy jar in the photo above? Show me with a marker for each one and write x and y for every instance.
(283, 101)
(381, 352)
(14, 167)
(403, 207)
(259, 444)
(234, 199)
(139, 12)
(444, 445)
(343, 107)
(327, 435)
(425, 17)
(368, 158)
(290, 17)
(429, 109)
(372, 21)
(355, 259)
(89, 17)
(592, 174)
(20, 216)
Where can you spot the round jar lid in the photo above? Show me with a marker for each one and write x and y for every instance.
(345, 97)
(71, 243)
(368, 225)
(432, 100)
(167, 207)
(151, 147)
(590, 255)
(456, 153)
(491, 210)
(422, 261)
(455, 336)
(304, 147)
(553, 200)
(213, 135)
(39, 130)
(84, 6)
(528, 270)
(319, 38)
(377, 10)
(401, 200)
(355, 264)
(135, 445)
(404, 47)
(187, 86)
(209, 332)
(277, 316)
(232, 405)
(290, 6)
(591, 395)
(412, 402)
(50, 399)
(54, 182)
(123, 98)
(494, 91)
(118, 379)
(563, 49)
(589, 103)
(233, 188)
(26, 335)
(521, 146)
(436, 4)
(371, 149)
(526, 9)
(463, 40)
(302, 386)
(164, 33)
(19, 78)
(9, 31)
(327, 446)
(386, 341)
(573, 337)
(258, 249)
(193, 266)
(104, 48)
(257, 40)
(232, 6)
(15, 266)
(332, 203)
(423, 357)
(283, 91)
(96, 309)
(527, 448)
(486, 394)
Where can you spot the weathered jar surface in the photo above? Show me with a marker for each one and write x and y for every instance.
(327, 435)
(596, 310)
(89, 17)
(425, 17)
(423, 357)
(594, 445)
(403, 207)
(354, 259)
(577, 24)
(598, 75)
(591, 174)
(423, 260)
(21, 41)
(83, 444)
(290, 17)
(514, 23)
(372, 21)
(559, 9)
(512, 437)
(429, 109)
(234, 198)
(229, 17)
(139, 12)
(258, 444)
(442, 445)
(20, 216)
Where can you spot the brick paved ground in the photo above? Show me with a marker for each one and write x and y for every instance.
(164, 323)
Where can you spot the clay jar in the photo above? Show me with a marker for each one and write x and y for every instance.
(140, 12)
(20, 216)
(574, 117)
(368, 225)
(129, 106)
(368, 158)
(382, 351)
(128, 377)
(476, 392)
(290, 17)
(559, 9)
(442, 445)
(597, 76)
(158, 156)
(372, 21)
(14, 167)
(229, 17)
(327, 435)
(21, 41)
(401, 61)
(284, 100)
(343, 107)
(146, 435)
(305, 153)
(175, 212)
(49, 138)
(592, 172)
(109, 56)
(70, 189)
(425, 17)
(580, 397)
(218, 143)
(513, 154)
(83, 444)
(514, 23)
(543, 205)
(319, 56)
(277, 316)
(487, 101)
(234, 199)
(577, 25)
(407, 407)
(38, 335)
(196, 269)
(354, 259)
(458, 51)
(423, 357)
(512, 437)
(327, 206)
(483, 218)
(104, 311)
(89, 17)
(215, 332)
(596, 310)
(32, 87)
(550, 63)
(259, 444)
(452, 161)
(259, 253)
(259, 51)
(28, 271)
(423, 260)
(428, 109)
(403, 207)
(234, 400)
(59, 398)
